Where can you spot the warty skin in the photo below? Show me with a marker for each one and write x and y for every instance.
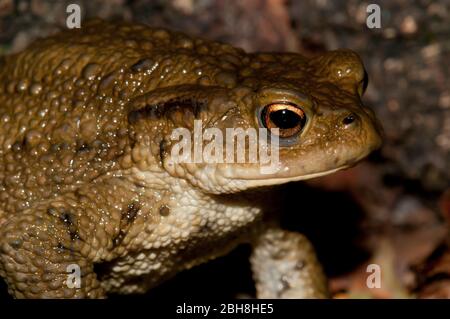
(85, 172)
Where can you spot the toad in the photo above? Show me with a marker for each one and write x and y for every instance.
(88, 182)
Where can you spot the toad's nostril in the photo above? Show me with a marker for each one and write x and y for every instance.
(349, 119)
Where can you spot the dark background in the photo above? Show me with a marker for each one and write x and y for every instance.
(393, 208)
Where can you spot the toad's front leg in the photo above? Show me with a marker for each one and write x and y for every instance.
(41, 246)
(284, 265)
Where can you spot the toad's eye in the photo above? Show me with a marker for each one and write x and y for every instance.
(288, 118)
(363, 85)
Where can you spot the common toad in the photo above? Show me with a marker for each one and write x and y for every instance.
(86, 172)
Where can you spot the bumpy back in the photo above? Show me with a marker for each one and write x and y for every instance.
(63, 101)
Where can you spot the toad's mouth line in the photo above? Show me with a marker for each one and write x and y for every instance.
(258, 182)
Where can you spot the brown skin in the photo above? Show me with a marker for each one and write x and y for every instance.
(85, 176)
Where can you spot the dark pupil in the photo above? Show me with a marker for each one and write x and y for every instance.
(285, 119)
